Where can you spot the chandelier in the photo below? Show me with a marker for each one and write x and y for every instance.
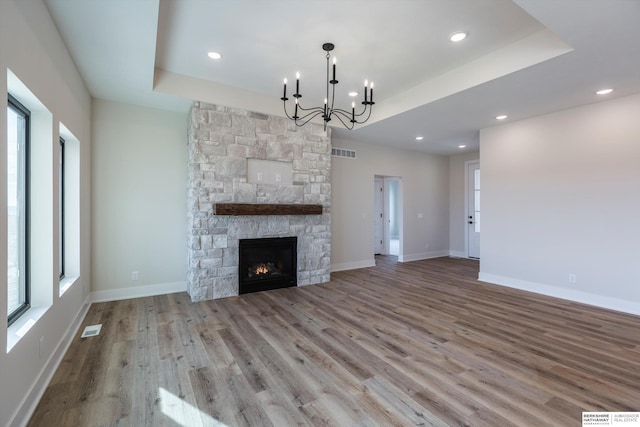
(328, 111)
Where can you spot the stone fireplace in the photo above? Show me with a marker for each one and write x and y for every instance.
(242, 157)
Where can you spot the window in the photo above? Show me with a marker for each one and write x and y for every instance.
(17, 209)
(68, 211)
(61, 209)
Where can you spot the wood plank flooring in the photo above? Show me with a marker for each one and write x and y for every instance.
(420, 343)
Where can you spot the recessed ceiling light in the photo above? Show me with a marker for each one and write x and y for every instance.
(502, 117)
(604, 91)
(353, 93)
(461, 146)
(214, 55)
(458, 36)
(419, 138)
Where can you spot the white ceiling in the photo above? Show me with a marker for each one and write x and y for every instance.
(522, 57)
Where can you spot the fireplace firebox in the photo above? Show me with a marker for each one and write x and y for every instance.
(265, 264)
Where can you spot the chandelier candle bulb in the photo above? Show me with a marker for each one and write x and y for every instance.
(334, 70)
(353, 112)
(371, 93)
(366, 83)
(297, 83)
(284, 96)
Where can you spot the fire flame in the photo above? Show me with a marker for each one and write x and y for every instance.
(262, 269)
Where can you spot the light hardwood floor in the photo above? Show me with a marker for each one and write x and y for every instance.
(420, 343)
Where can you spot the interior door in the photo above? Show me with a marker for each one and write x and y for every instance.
(378, 219)
(473, 209)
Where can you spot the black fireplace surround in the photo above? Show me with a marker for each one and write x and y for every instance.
(269, 263)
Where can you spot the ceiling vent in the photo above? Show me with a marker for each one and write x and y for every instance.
(341, 152)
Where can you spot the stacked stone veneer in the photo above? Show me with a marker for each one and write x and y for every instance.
(221, 140)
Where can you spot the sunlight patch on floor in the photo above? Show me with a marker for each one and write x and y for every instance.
(183, 413)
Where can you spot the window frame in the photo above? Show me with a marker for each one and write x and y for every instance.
(17, 106)
(61, 209)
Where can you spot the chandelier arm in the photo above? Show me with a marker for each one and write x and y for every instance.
(348, 126)
(368, 115)
(341, 113)
(301, 121)
(338, 112)
(313, 111)
(364, 111)
(348, 116)
(285, 111)
(344, 111)
(300, 107)
(348, 113)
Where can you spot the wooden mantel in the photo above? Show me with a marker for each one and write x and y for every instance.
(265, 209)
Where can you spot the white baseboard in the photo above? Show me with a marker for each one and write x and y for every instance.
(596, 300)
(31, 400)
(458, 254)
(423, 255)
(138, 291)
(354, 265)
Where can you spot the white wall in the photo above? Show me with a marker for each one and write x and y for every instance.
(32, 49)
(457, 213)
(139, 197)
(561, 196)
(424, 190)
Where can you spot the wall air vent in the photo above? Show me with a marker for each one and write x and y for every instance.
(341, 152)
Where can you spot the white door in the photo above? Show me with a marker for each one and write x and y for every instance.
(378, 219)
(473, 209)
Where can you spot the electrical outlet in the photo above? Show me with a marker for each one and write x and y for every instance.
(572, 278)
(259, 176)
(135, 276)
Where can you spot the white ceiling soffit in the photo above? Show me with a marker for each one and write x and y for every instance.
(604, 36)
(522, 58)
(113, 44)
(405, 50)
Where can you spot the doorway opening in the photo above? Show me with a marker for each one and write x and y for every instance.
(387, 238)
(473, 209)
